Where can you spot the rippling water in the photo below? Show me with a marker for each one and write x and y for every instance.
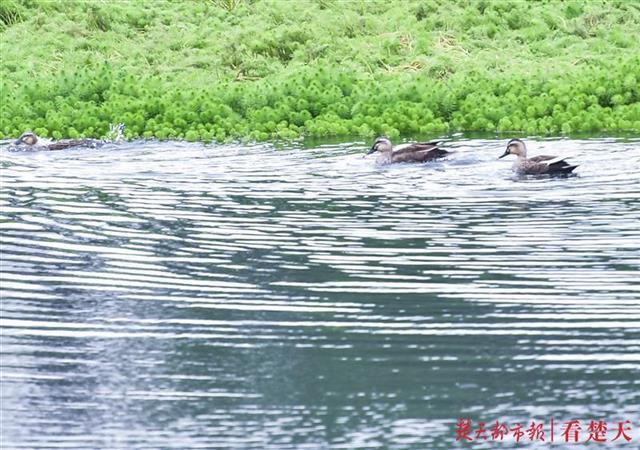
(168, 295)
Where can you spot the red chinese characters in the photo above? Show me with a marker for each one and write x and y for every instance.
(597, 431)
(623, 428)
(536, 431)
(570, 432)
(499, 431)
(463, 428)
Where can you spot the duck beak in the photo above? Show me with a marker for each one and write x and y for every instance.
(18, 142)
(506, 152)
(372, 150)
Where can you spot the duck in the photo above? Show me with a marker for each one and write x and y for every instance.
(29, 140)
(415, 152)
(538, 165)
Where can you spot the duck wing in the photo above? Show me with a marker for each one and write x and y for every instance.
(547, 164)
(541, 158)
(418, 152)
(560, 167)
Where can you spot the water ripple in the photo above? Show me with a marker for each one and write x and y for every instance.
(186, 296)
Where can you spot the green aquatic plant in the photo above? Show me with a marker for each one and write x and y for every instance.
(10, 13)
(228, 5)
(268, 69)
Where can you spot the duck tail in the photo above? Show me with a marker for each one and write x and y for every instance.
(568, 169)
(440, 153)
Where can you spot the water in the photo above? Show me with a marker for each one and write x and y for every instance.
(169, 295)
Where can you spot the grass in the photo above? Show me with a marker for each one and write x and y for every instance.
(228, 69)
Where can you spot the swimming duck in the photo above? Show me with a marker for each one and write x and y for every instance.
(537, 165)
(31, 141)
(416, 152)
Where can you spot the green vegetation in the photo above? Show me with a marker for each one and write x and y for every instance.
(227, 69)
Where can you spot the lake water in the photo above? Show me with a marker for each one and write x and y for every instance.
(173, 295)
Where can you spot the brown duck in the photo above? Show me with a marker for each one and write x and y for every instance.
(537, 165)
(29, 140)
(416, 152)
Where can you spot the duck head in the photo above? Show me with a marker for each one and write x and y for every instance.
(381, 144)
(27, 138)
(515, 147)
